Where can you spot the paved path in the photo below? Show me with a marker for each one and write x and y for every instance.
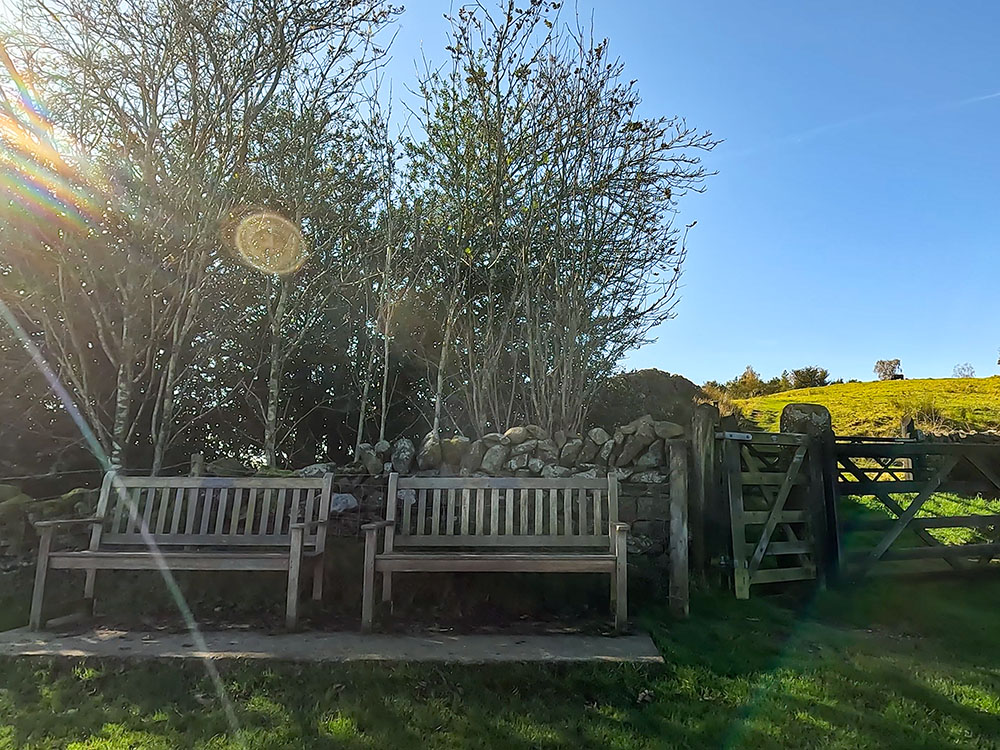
(332, 647)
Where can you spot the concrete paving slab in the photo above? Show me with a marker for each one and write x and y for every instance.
(332, 647)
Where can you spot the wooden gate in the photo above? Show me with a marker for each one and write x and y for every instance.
(775, 490)
(917, 503)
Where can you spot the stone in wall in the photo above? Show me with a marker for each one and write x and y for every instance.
(453, 449)
(494, 459)
(429, 456)
(369, 459)
(403, 453)
(570, 451)
(473, 459)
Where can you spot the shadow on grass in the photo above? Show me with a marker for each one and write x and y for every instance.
(885, 664)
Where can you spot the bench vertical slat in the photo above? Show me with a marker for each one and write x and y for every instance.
(310, 508)
(421, 512)
(118, 497)
(581, 511)
(133, 498)
(147, 512)
(436, 513)
(191, 509)
(279, 513)
(161, 514)
(127, 503)
(220, 512)
(265, 513)
(522, 502)
(449, 521)
(234, 520)
(407, 503)
(598, 522)
(480, 511)
(508, 506)
(494, 512)
(466, 500)
(568, 512)
(175, 520)
(206, 512)
(539, 502)
(553, 512)
(251, 512)
(295, 508)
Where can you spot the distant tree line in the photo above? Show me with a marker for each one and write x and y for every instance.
(489, 266)
(750, 384)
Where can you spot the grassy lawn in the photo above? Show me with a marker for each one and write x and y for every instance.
(876, 408)
(889, 664)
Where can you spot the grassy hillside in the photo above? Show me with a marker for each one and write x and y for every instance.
(876, 408)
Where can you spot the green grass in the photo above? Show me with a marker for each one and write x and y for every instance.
(887, 664)
(876, 408)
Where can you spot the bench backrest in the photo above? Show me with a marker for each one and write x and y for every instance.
(500, 512)
(210, 511)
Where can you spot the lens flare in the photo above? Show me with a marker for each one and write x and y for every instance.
(270, 243)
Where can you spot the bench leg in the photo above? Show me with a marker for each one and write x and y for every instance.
(41, 572)
(319, 568)
(88, 589)
(368, 589)
(294, 570)
(620, 577)
(387, 588)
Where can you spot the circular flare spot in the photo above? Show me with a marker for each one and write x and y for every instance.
(270, 243)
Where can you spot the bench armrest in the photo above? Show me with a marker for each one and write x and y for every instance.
(59, 522)
(619, 527)
(376, 525)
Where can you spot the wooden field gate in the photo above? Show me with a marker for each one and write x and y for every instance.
(777, 511)
(902, 475)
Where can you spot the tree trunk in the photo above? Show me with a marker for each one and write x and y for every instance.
(442, 361)
(275, 366)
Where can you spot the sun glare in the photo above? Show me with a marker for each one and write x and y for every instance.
(270, 243)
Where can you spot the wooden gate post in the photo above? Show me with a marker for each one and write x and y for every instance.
(704, 484)
(678, 535)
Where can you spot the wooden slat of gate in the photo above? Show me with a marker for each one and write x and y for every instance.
(911, 511)
(779, 505)
(764, 480)
(929, 539)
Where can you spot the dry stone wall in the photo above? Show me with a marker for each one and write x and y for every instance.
(636, 452)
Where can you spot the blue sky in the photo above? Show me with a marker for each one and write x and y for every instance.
(855, 214)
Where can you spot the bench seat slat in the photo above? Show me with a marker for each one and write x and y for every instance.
(576, 563)
(517, 540)
(119, 560)
(212, 540)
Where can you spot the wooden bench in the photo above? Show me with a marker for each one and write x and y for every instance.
(197, 523)
(497, 525)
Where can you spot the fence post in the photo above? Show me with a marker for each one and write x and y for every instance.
(679, 587)
(197, 465)
(703, 427)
